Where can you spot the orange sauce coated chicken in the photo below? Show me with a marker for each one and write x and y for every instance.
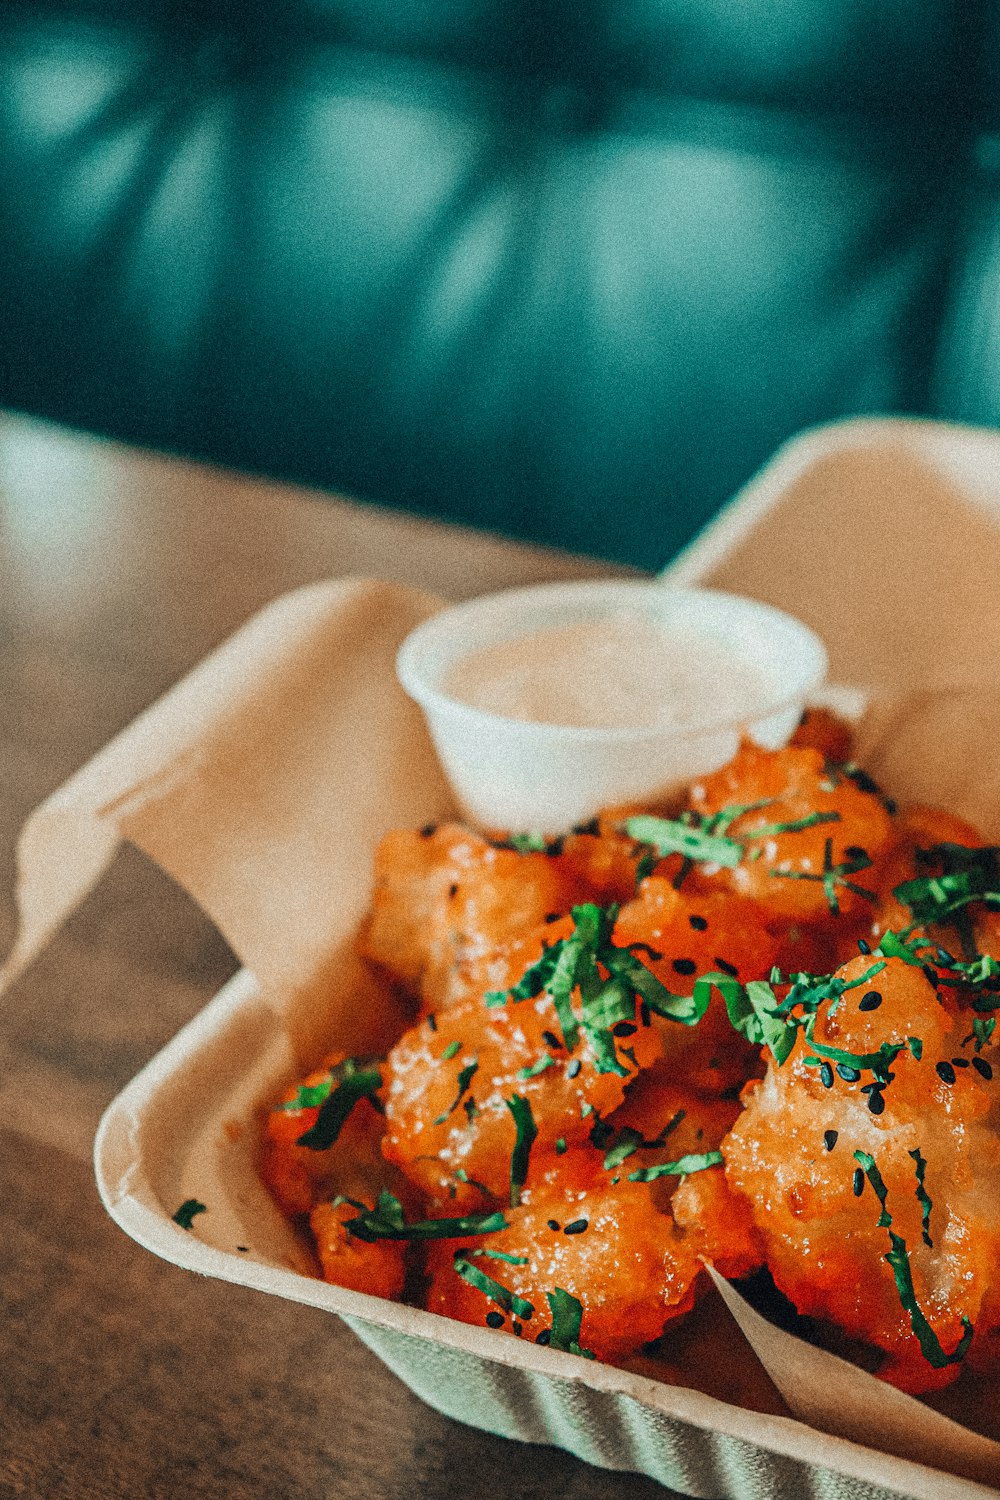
(757, 1031)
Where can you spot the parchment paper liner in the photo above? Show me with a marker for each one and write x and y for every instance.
(261, 784)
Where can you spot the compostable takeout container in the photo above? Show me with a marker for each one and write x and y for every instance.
(262, 783)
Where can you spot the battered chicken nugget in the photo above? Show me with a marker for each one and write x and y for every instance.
(808, 836)
(450, 1080)
(300, 1175)
(872, 1169)
(577, 1235)
(378, 1269)
(444, 896)
(685, 934)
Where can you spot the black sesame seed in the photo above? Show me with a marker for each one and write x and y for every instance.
(516, 1328)
(866, 1088)
(871, 1001)
(983, 1068)
(432, 1024)
(544, 1336)
(684, 966)
(698, 923)
(826, 1074)
(848, 1074)
(855, 851)
(555, 848)
(859, 1182)
(573, 1068)
(554, 1225)
(862, 780)
(727, 968)
(427, 830)
(243, 1249)
(577, 1226)
(453, 890)
(624, 1028)
(930, 975)
(494, 1320)
(593, 828)
(875, 1102)
(829, 1139)
(945, 1072)
(551, 916)
(891, 806)
(644, 1013)
(960, 1062)
(864, 947)
(550, 1039)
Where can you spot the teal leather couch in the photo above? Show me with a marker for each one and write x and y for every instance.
(569, 269)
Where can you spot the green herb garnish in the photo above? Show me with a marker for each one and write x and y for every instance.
(386, 1221)
(452, 1050)
(671, 836)
(545, 1061)
(355, 1082)
(898, 1258)
(922, 1197)
(527, 1130)
(567, 1316)
(833, 876)
(628, 1141)
(186, 1213)
(683, 1167)
(497, 1293)
(930, 1345)
(969, 875)
(871, 1171)
(465, 1077)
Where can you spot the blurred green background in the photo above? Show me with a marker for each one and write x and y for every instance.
(568, 269)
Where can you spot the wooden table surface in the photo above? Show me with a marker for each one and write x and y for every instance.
(123, 1375)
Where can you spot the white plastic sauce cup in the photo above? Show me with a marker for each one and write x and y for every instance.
(519, 775)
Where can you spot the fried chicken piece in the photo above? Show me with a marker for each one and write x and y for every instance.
(449, 1080)
(696, 933)
(609, 1247)
(445, 897)
(834, 1164)
(808, 874)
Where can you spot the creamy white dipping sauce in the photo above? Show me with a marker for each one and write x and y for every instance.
(625, 670)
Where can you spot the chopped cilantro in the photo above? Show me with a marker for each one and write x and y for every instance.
(501, 1295)
(628, 1141)
(833, 876)
(916, 1047)
(355, 1082)
(871, 1171)
(545, 1061)
(671, 836)
(969, 875)
(895, 945)
(683, 1167)
(532, 982)
(511, 1260)
(527, 1130)
(186, 1213)
(452, 1050)
(898, 1258)
(386, 1221)
(930, 1345)
(527, 843)
(922, 1197)
(465, 1077)
(567, 1316)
